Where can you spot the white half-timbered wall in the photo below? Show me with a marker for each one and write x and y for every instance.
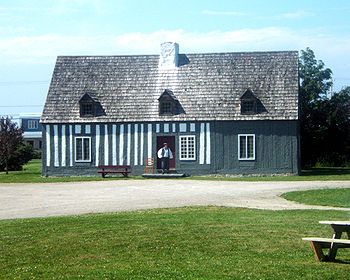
(121, 144)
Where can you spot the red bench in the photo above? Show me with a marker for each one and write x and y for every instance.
(121, 169)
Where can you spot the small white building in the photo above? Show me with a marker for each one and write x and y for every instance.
(32, 129)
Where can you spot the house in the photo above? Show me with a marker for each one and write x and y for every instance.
(228, 113)
(32, 130)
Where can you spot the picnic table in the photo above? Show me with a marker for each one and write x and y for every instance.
(334, 243)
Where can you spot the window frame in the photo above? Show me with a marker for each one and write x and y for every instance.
(187, 148)
(171, 105)
(82, 148)
(33, 124)
(246, 147)
(254, 107)
(87, 103)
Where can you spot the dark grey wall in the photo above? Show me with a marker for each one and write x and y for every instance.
(277, 149)
(276, 145)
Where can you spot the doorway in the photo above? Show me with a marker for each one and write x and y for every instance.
(171, 144)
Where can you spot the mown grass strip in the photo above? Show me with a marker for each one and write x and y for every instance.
(184, 243)
(325, 197)
(31, 173)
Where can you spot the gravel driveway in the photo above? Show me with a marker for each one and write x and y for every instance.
(56, 199)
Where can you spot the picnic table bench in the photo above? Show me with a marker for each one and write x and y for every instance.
(334, 243)
(121, 169)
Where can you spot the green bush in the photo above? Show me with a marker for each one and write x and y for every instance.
(21, 156)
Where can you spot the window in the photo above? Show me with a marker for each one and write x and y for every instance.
(87, 106)
(167, 103)
(188, 147)
(33, 124)
(82, 149)
(165, 108)
(246, 146)
(87, 109)
(249, 103)
(248, 106)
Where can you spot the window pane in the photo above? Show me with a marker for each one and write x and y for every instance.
(86, 148)
(87, 109)
(242, 147)
(187, 147)
(79, 148)
(191, 147)
(165, 108)
(183, 147)
(250, 147)
(248, 106)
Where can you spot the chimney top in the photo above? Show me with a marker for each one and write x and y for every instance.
(169, 54)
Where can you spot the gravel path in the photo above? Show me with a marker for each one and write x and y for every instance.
(56, 199)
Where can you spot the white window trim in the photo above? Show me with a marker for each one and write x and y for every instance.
(195, 147)
(33, 124)
(239, 147)
(75, 147)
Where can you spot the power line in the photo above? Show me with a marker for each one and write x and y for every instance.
(19, 83)
(19, 106)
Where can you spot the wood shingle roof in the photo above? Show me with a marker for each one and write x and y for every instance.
(207, 86)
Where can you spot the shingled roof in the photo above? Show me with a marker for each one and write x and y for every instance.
(207, 86)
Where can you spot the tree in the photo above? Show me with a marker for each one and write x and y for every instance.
(337, 132)
(10, 140)
(316, 81)
(21, 156)
(324, 120)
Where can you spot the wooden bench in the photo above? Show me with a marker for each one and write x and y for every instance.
(121, 169)
(318, 244)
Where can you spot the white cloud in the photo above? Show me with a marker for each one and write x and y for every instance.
(223, 13)
(43, 49)
(295, 15)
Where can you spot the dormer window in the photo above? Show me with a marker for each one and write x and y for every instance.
(249, 103)
(87, 109)
(167, 103)
(87, 106)
(166, 108)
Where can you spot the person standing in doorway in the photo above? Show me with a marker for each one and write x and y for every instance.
(165, 155)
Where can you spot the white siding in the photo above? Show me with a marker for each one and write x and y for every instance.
(63, 145)
(121, 145)
(208, 145)
(136, 144)
(114, 144)
(55, 144)
(141, 143)
(48, 146)
(201, 144)
(149, 140)
(128, 147)
(97, 151)
(106, 146)
(70, 145)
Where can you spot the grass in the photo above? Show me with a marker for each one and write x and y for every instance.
(326, 197)
(32, 174)
(183, 243)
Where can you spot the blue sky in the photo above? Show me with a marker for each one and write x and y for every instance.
(33, 33)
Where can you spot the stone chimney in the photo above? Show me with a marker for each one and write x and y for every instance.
(169, 54)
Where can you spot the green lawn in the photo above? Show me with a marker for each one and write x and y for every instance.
(184, 243)
(32, 174)
(325, 197)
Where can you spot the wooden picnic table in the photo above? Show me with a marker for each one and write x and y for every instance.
(338, 227)
(334, 243)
